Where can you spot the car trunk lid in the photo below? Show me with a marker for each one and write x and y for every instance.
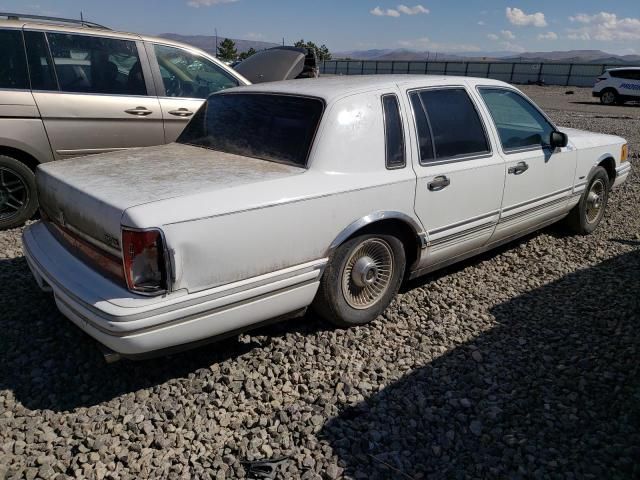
(89, 195)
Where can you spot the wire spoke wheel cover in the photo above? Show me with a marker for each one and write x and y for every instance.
(595, 201)
(14, 194)
(367, 273)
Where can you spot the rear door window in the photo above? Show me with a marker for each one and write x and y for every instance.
(13, 68)
(88, 64)
(448, 125)
(40, 65)
(394, 137)
(272, 127)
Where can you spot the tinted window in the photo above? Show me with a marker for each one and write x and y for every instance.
(394, 138)
(424, 132)
(626, 74)
(455, 124)
(272, 127)
(40, 68)
(13, 68)
(96, 64)
(519, 123)
(187, 75)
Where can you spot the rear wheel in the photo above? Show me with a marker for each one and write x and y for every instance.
(609, 97)
(361, 279)
(588, 213)
(18, 198)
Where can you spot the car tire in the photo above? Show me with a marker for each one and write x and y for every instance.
(609, 97)
(18, 195)
(585, 217)
(362, 277)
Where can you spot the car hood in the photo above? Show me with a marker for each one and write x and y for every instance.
(585, 139)
(91, 194)
(272, 65)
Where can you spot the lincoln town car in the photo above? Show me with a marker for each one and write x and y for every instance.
(325, 193)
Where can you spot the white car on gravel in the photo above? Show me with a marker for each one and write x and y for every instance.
(618, 85)
(325, 192)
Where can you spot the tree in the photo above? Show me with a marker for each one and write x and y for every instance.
(227, 50)
(247, 54)
(322, 51)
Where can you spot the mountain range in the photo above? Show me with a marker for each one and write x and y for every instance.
(568, 56)
(208, 44)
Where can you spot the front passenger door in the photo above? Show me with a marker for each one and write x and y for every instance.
(539, 178)
(460, 180)
(187, 79)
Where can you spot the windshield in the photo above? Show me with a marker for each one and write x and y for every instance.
(272, 127)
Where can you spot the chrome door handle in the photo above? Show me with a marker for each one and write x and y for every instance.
(139, 111)
(439, 183)
(181, 112)
(519, 168)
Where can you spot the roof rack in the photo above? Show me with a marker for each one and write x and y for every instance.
(84, 23)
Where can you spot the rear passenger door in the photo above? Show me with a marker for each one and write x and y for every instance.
(183, 80)
(94, 93)
(460, 179)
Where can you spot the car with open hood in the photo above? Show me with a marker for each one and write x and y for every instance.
(326, 193)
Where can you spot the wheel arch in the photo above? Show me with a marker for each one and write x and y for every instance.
(409, 231)
(607, 162)
(26, 158)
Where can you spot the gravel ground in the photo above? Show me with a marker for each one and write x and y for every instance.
(523, 363)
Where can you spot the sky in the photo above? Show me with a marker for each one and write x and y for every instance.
(431, 25)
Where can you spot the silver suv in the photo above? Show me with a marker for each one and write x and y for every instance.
(70, 88)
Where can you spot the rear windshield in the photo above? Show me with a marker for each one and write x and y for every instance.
(279, 128)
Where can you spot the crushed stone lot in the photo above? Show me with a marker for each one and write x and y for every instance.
(523, 363)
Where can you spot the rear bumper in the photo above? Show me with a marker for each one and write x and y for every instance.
(133, 325)
(622, 172)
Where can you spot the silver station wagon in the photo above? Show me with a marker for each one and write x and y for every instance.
(70, 88)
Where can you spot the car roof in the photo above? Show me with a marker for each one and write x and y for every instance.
(53, 26)
(331, 88)
(617, 69)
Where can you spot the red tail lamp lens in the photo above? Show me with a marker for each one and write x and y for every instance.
(143, 258)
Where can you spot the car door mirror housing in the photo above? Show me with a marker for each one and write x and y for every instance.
(558, 139)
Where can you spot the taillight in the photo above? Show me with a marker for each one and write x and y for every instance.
(143, 260)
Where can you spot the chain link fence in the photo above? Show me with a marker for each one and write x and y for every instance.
(574, 74)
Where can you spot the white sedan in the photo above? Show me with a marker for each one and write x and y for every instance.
(322, 192)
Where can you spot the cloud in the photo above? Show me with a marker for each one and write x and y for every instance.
(412, 10)
(508, 34)
(604, 26)
(548, 36)
(207, 3)
(389, 12)
(481, 22)
(425, 43)
(521, 19)
(512, 47)
(401, 9)
(505, 34)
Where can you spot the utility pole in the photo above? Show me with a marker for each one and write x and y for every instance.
(216, 30)
(81, 18)
(283, 41)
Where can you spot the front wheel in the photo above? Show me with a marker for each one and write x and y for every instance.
(18, 198)
(361, 279)
(587, 214)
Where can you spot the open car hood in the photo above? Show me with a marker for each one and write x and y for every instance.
(274, 64)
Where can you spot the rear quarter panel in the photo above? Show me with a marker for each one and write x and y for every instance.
(233, 234)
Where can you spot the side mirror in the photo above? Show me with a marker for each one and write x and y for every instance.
(558, 139)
